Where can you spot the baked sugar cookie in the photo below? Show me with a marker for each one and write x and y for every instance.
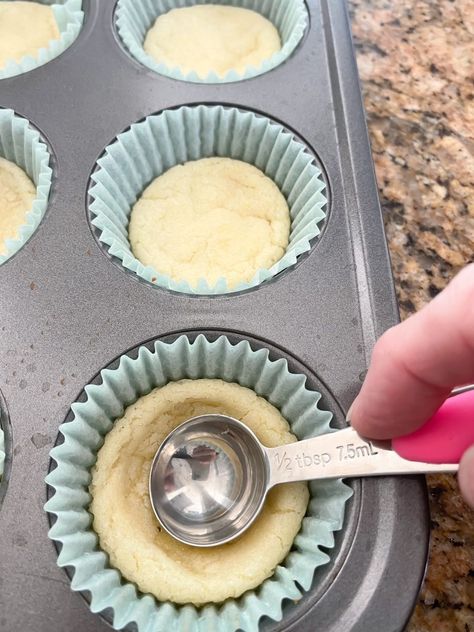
(212, 38)
(208, 219)
(131, 535)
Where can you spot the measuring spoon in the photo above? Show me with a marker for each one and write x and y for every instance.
(210, 476)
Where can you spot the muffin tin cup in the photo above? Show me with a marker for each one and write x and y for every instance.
(2, 451)
(69, 17)
(21, 144)
(161, 141)
(5, 448)
(135, 17)
(84, 435)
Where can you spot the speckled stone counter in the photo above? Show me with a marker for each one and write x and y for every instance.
(416, 62)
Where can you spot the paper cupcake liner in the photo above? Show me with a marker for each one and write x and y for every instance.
(21, 144)
(153, 146)
(69, 17)
(135, 17)
(84, 435)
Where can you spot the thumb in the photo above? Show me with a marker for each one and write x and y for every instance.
(415, 365)
(466, 476)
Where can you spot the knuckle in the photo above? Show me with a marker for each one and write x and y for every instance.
(387, 343)
(464, 305)
(388, 340)
(464, 282)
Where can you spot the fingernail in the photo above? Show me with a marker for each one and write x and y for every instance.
(349, 412)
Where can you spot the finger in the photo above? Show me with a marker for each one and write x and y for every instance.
(466, 476)
(416, 364)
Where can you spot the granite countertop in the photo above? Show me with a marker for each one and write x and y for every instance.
(416, 62)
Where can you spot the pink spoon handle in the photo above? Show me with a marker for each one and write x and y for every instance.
(445, 437)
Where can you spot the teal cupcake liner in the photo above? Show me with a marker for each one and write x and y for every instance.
(161, 141)
(135, 17)
(69, 17)
(84, 435)
(21, 144)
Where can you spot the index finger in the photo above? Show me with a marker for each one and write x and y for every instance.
(416, 364)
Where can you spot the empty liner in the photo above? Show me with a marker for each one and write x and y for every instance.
(69, 17)
(21, 144)
(135, 17)
(83, 437)
(161, 141)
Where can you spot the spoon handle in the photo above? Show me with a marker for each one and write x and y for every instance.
(446, 435)
(341, 454)
(436, 447)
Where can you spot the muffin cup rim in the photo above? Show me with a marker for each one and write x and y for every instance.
(7, 452)
(99, 219)
(55, 47)
(100, 379)
(138, 54)
(44, 155)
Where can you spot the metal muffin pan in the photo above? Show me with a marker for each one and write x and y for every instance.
(67, 311)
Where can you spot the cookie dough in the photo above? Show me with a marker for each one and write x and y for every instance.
(208, 219)
(127, 528)
(17, 193)
(25, 27)
(210, 37)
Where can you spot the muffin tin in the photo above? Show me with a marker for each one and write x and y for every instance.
(68, 311)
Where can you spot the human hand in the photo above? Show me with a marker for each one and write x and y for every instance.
(414, 367)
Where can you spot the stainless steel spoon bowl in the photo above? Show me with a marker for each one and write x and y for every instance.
(210, 476)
